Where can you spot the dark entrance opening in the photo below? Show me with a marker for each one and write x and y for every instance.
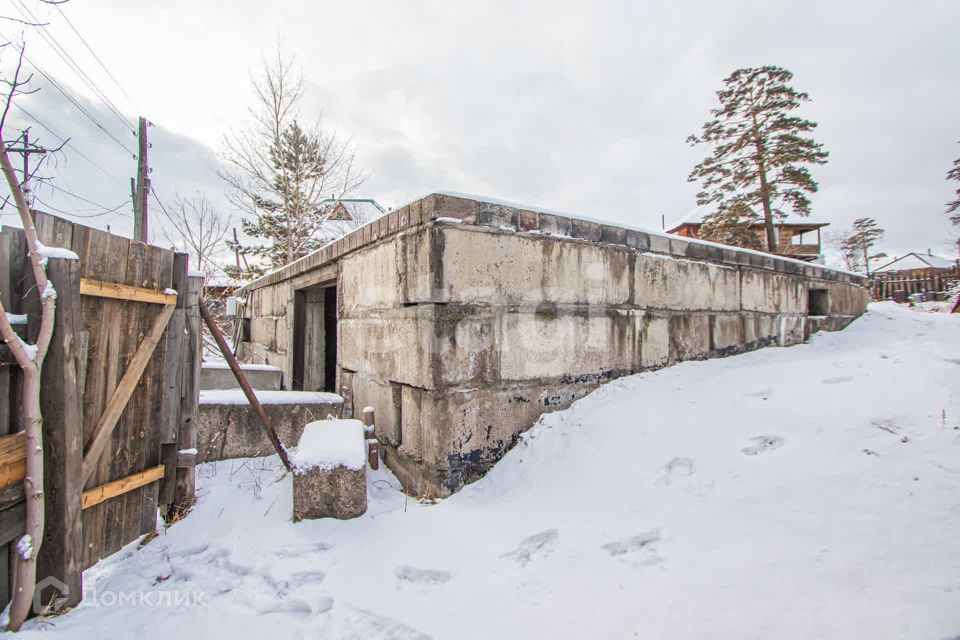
(315, 338)
(818, 302)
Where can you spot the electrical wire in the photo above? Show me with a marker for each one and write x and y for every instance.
(73, 101)
(71, 63)
(66, 142)
(93, 53)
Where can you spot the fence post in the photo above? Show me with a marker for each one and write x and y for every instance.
(185, 483)
(59, 562)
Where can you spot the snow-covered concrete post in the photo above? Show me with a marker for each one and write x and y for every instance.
(330, 471)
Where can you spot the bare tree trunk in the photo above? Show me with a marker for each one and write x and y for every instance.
(29, 544)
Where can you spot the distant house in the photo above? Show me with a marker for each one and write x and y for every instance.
(917, 264)
(796, 237)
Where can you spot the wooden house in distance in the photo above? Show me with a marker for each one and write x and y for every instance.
(798, 238)
(917, 264)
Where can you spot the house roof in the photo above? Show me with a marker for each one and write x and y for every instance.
(917, 260)
(358, 209)
(699, 213)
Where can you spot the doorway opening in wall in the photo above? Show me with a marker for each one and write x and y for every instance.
(315, 338)
(818, 302)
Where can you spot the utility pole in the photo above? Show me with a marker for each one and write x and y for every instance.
(26, 151)
(140, 189)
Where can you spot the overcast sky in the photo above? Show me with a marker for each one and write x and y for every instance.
(582, 108)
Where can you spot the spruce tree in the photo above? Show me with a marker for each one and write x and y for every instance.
(290, 221)
(760, 149)
(732, 226)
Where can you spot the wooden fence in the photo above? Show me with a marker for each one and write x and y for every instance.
(883, 285)
(119, 397)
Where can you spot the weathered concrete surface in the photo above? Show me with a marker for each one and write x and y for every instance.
(221, 377)
(462, 334)
(226, 431)
(339, 493)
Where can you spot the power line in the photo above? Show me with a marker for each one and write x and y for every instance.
(72, 100)
(69, 60)
(82, 199)
(93, 53)
(67, 143)
(105, 212)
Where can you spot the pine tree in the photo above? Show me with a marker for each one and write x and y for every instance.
(856, 246)
(290, 219)
(759, 148)
(278, 172)
(953, 208)
(732, 226)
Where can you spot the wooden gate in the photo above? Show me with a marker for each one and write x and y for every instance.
(119, 394)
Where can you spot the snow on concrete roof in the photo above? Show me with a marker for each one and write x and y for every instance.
(917, 260)
(327, 444)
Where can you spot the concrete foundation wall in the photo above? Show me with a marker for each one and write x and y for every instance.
(460, 334)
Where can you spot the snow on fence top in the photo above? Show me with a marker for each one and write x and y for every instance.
(236, 396)
(327, 444)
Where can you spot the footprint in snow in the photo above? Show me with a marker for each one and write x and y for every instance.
(536, 547)
(406, 573)
(643, 542)
(952, 360)
(296, 551)
(762, 444)
(676, 468)
(762, 394)
(837, 380)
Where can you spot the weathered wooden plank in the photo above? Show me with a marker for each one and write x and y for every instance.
(120, 487)
(107, 261)
(61, 553)
(169, 426)
(13, 459)
(118, 401)
(130, 293)
(190, 388)
(13, 522)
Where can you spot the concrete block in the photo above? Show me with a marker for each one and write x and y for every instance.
(513, 269)
(613, 235)
(772, 292)
(560, 344)
(638, 240)
(584, 230)
(792, 330)
(411, 425)
(444, 206)
(554, 225)
(386, 399)
(681, 248)
(689, 336)
(659, 244)
(528, 220)
(496, 215)
(655, 342)
(727, 333)
(226, 431)
(684, 285)
(219, 376)
(330, 471)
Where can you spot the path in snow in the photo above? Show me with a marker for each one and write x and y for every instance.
(809, 492)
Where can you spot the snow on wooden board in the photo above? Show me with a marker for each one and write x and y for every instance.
(808, 492)
(327, 444)
(236, 396)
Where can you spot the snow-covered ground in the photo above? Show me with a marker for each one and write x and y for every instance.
(809, 492)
